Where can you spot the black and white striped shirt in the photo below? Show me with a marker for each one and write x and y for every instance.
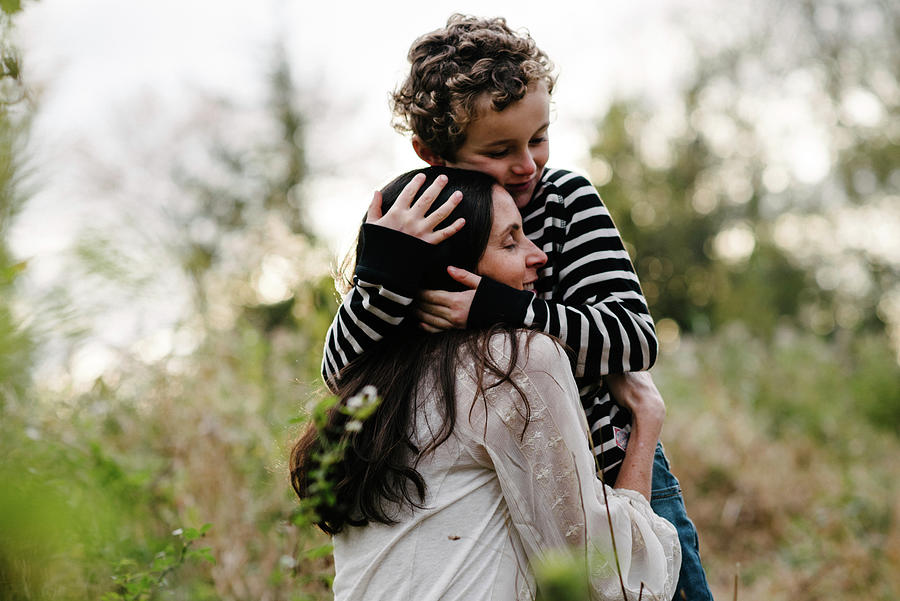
(587, 295)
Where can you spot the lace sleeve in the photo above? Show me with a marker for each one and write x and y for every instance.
(555, 500)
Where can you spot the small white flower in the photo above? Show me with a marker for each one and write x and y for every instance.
(369, 393)
(354, 425)
(287, 562)
(354, 403)
(178, 532)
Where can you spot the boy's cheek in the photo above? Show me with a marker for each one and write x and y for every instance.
(491, 167)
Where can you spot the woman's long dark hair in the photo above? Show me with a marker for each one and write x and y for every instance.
(377, 472)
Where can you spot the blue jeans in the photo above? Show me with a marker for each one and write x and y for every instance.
(666, 501)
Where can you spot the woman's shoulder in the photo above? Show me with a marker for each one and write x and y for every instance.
(512, 356)
(536, 351)
(535, 386)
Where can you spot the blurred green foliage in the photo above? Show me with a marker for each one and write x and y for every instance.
(562, 577)
(102, 484)
(11, 6)
(16, 346)
(672, 242)
(700, 194)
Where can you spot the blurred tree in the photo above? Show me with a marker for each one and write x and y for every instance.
(767, 190)
(45, 521)
(187, 426)
(248, 247)
(209, 232)
(253, 185)
(218, 210)
(16, 345)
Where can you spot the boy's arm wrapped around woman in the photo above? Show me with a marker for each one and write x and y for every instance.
(389, 269)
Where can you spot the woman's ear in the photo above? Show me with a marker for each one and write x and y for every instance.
(426, 154)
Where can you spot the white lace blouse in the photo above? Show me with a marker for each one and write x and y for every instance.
(498, 501)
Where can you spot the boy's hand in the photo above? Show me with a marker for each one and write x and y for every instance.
(408, 216)
(440, 310)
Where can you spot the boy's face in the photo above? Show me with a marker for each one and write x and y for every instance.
(511, 145)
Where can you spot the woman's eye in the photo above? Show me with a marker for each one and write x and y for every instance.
(536, 141)
(497, 154)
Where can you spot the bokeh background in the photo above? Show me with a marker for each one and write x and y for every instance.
(179, 179)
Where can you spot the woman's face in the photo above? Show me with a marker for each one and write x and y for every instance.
(509, 257)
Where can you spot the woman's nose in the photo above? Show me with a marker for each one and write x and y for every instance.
(536, 257)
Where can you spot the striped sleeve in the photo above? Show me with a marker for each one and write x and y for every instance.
(598, 308)
(367, 314)
(389, 269)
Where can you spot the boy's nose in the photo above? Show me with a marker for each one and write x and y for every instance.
(524, 164)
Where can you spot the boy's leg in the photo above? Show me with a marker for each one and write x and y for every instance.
(666, 501)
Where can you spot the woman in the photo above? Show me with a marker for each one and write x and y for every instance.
(476, 464)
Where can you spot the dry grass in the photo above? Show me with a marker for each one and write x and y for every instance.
(794, 518)
(800, 508)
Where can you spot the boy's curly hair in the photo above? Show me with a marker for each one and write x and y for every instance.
(453, 66)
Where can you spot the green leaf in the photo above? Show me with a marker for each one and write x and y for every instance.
(125, 563)
(320, 551)
(10, 272)
(203, 554)
(10, 6)
(160, 563)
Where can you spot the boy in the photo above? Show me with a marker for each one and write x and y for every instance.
(478, 97)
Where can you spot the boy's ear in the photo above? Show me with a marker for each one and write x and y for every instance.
(426, 154)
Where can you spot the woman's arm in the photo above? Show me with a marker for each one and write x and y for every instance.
(555, 500)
